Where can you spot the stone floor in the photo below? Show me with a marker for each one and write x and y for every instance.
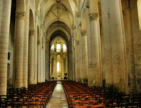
(58, 99)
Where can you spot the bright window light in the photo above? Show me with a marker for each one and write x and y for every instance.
(58, 66)
(52, 47)
(58, 47)
(64, 48)
(139, 12)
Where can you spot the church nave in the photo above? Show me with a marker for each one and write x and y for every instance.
(48, 46)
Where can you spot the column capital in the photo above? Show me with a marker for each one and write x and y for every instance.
(93, 16)
(20, 14)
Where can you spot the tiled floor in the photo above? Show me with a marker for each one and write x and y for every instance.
(58, 99)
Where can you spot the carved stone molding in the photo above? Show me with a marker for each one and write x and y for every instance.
(93, 16)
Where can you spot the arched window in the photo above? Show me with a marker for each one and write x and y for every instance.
(58, 47)
(139, 12)
(64, 48)
(58, 67)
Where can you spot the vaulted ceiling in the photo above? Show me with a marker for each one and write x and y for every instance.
(59, 14)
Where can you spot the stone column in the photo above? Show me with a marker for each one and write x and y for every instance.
(76, 65)
(84, 56)
(35, 57)
(94, 74)
(129, 41)
(67, 65)
(76, 74)
(25, 48)
(64, 65)
(64, 71)
(31, 56)
(70, 74)
(47, 60)
(77, 54)
(71, 59)
(42, 64)
(43, 60)
(5, 10)
(55, 68)
(39, 58)
(52, 64)
(19, 38)
(114, 63)
(81, 60)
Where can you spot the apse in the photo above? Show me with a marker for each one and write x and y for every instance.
(58, 59)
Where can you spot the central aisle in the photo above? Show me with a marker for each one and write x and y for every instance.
(58, 98)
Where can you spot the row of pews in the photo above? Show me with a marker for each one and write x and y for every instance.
(115, 99)
(81, 96)
(36, 96)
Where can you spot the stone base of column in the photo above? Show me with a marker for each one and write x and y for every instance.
(93, 76)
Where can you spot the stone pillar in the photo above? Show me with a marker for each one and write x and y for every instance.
(135, 76)
(129, 41)
(62, 67)
(71, 59)
(47, 60)
(81, 60)
(5, 10)
(19, 38)
(25, 48)
(51, 67)
(42, 64)
(77, 54)
(35, 57)
(43, 60)
(94, 74)
(67, 65)
(31, 56)
(39, 58)
(70, 73)
(55, 68)
(76, 74)
(75, 71)
(114, 64)
(84, 65)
